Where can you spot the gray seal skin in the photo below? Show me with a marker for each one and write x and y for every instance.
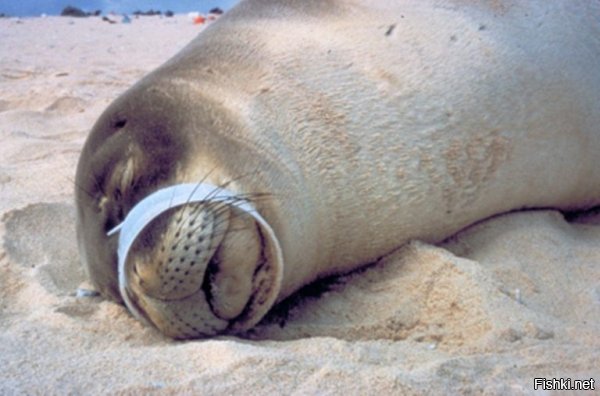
(352, 127)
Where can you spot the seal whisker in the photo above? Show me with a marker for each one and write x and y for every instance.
(215, 224)
(240, 177)
(213, 195)
(222, 207)
(209, 196)
(191, 194)
(80, 188)
(199, 183)
(218, 208)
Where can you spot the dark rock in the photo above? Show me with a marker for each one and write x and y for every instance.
(147, 13)
(73, 12)
(216, 10)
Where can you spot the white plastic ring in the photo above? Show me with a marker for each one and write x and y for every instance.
(157, 203)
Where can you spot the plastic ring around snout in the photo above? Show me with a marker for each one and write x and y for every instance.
(149, 208)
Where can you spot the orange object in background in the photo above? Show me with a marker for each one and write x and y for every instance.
(199, 20)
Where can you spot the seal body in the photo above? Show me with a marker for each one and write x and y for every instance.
(352, 127)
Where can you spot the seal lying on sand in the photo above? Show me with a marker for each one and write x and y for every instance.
(292, 140)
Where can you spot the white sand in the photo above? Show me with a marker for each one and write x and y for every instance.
(510, 299)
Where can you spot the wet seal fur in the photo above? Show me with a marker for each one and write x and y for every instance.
(351, 127)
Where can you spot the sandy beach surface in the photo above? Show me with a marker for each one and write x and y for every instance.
(507, 300)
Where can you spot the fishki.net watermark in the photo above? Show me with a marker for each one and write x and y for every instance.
(563, 384)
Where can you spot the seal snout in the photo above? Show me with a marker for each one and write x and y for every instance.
(198, 269)
(171, 255)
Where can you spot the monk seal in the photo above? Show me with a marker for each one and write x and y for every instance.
(292, 140)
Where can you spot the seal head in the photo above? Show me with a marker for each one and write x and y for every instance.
(206, 262)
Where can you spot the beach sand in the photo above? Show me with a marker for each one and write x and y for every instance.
(507, 300)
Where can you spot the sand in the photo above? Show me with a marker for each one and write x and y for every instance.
(507, 300)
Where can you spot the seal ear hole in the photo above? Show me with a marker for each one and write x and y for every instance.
(120, 123)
